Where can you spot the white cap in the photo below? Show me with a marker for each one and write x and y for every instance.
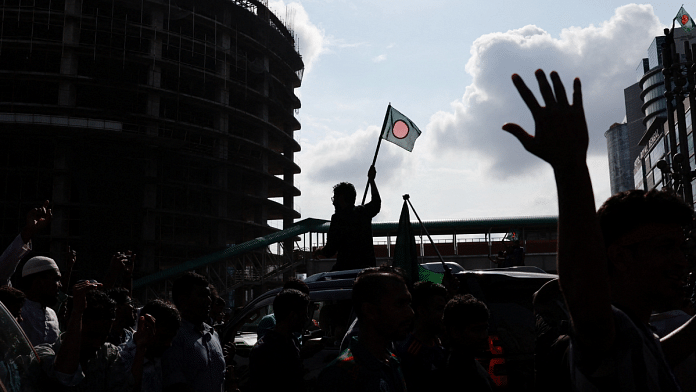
(39, 264)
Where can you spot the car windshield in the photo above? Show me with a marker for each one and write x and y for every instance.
(19, 364)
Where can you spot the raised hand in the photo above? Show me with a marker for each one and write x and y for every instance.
(145, 334)
(560, 135)
(80, 291)
(37, 220)
(371, 173)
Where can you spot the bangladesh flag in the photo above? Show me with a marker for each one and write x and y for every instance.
(399, 130)
(685, 21)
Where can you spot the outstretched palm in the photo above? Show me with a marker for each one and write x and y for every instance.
(560, 136)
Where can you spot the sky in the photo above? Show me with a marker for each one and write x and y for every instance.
(446, 64)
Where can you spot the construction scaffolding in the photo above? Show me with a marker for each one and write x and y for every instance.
(176, 117)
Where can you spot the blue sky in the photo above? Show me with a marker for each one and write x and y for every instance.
(447, 65)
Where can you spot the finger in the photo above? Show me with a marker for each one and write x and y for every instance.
(577, 94)
(545, 88)
(561, 96)
(526, 94)
(517, 131)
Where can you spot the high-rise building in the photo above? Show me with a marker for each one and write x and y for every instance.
(654, 141)
(164, 126)
(620, 164)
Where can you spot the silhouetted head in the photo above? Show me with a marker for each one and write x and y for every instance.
(191, 295)
(466, 322)
(97, 319)
(383, 303)
(297, 284)
(344, 195)
(41, 280)
(290, 305)
(644, 239)
(125, 309)
(627, 211)
(167, 323)
(429, 301)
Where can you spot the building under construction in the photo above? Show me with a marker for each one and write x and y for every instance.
(161, 126)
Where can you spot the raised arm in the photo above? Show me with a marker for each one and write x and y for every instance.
(68, 356)
(561, 139)
(374, 193)
(37, 220)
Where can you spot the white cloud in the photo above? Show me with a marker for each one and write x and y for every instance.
(380, 58)
(604, 57)
(464, 165)
(310, 38)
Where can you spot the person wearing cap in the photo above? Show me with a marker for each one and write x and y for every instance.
(37, 219)
(41, 284)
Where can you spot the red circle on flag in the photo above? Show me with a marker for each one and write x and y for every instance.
(400, 129)
(685, 19)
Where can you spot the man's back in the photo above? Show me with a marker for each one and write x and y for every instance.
(275, 364)
(351, 236)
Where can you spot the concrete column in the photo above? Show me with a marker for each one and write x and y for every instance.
(60, 197)
(67, 95)
(154, 78)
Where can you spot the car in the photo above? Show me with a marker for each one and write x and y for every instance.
(19, 364)
(506, 291)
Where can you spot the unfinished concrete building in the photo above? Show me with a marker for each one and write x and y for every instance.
(162, 126)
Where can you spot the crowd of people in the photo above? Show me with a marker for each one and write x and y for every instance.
(97, 338)
(619, 269)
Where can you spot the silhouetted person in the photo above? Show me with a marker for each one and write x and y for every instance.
(157, 326)
(195, 359)
(274, 362)
(466, 323)
(350, 234)
(422, 352)
(82, 358)
(382, 303)
(615, 265)
(41, 284)
(268, 322)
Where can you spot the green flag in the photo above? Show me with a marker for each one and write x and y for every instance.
(684, 20)
(426, 275)
(406, 250)
(399, 130)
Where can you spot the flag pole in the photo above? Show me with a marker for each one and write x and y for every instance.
(408, 199)
(379, 142)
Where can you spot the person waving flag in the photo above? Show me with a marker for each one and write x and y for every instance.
(399, 130)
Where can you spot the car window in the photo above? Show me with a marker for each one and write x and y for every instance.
(252, 320)
(333, 318)
(19, 363)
